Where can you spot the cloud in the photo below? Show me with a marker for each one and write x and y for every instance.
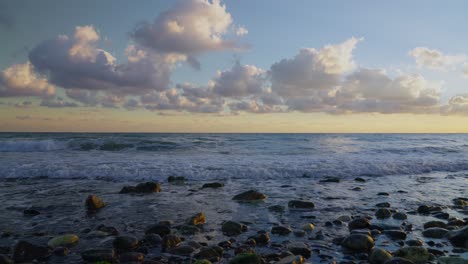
(24, 104)
(435, 59)
(77, 63)
(57, 103)
(240, 80)
(190, 27)
(241, 31)
(457, 105)
(22, 80)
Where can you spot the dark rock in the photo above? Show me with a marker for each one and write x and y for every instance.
(151, 239)
(262, 238)
(210, 253)
(125, 243)
(358, 242)
(109, 230)
(299, 248)
(212, 185)
(358, 179)
(94, 203)
(281, 230)
(383, 194)
(5, 259)
(183, 250)
(418, 255)
(231, 228)
(399, 261)
(383, 213)
(435, 224)
(31, 212)
(459, 238)
(331, 179)
(379, 256)
(96, 255)
(176, 179)
(291, 260)
(197, 219)
(246, 258)
(359, 223)
(414, 243)
(383, 205)
(277, 208)
(442, 215)
(159, 229)
(189, 229)
(435, 232)
(250, 195)
(59, 251)
(424, 209)
(170, 241)
(395, 234)
(131, 257)
(26, 252)
(298, 204)
(146, 187)
(399, 216)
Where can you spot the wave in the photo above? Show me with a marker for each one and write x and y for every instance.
(31, 146)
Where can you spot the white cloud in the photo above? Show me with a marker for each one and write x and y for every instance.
(240, 80)
(22, 80)
(241, 31)
(435, 59)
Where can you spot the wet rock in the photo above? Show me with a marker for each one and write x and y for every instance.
(442, 215)
(399, 216)
(60, 251)
(331, 179)
(358, 242)
(197, 219)
(383, 194)
(63, 241)
(383, 205)
(176, 179)
(300, 233)
(399, 261)
(94, 203)
(277, 208)
(210, 253)
(189, 230)
(131, 257)
(109, 230)
(246, 258)
(31, 212)
(281, 230)
(262, 238)
(460, 202)
(250, 195)
(435, 232)
(383, 213)
(5, 259)
(202, 261)
(159, 229)
(359, 179)
(344, 218)
(424, 209)
(308, 227)
(299, 204)
(170, 241)
(456, 222)
(146, 187)
(152, 239)
(231, 228)
(96, 255)
(452, 260)
(435, 224)
(459, 238)
(212, 185)
(24, 251)
(379, 256)
(299, 248)
(418, 255)
(125, 243)
(395, 234)
(291, 260)
(359, 223)
(183, 250)
(414, 243)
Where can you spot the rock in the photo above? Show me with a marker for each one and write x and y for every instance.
(383, 194)
(418, 255)
(183, 250)
(170, 241)
(358, 242)
(109, 230)
(359, 223)
(176, 179)
(300, 233)
(291, 260)
(197, 219)
(459, 238)
(452, 260)
(331, 179)
(414, 243)
(379, 256)
(383, 213)
(246, 258)
(308, 227)
(212, 185)
(383, 205)
(281, 230)
(231, 228)
(442, 215)
(31, 212)
(395, 234)
(262, 238)
(358, 179)
(344, 218)
(435, 232)
(26, 252)
(125, 243)
(298, 204)
(424, 209)
(131, 257)
(96, 255)
(212, 253)
(250, 195)
(5, 259)
(460, 202)
(189, 230)
(399, 261)
(435, 224)
(146, 187)
(299, 248)
(94, 203)
(202, 261)
(400, 216)
(152, 239)
(60, 251)
(159, 229)
(277, 208)
(63, 241)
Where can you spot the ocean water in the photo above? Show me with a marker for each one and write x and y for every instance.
(134, 156)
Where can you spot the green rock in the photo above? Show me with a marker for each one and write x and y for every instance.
(246, 258)
(231, 228)
(250, 195)
(63, 241)
(418, 255)
(202, 261)
(308, 227)
(125, 242)
(189, 230)
(358, 242)
(379, 256)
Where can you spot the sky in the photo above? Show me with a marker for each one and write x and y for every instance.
(234, 66)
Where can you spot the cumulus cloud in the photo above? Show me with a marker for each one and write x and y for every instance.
(435, 59)
(240, 80)
(241, 31)
(457, 105)
(58, 102)
(22, 80)
(77, 63)
(190, 27)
